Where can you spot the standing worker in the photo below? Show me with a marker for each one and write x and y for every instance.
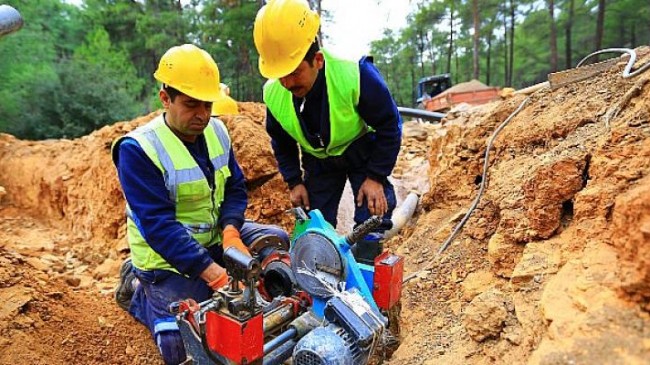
(339, 112)
(185, 196)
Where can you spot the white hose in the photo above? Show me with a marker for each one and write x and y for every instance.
(630, 62)
(402, 214)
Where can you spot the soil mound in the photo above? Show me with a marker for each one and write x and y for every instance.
(553, 267)
(62, 241)
(472, 85)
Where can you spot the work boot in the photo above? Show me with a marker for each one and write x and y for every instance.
(126, 286)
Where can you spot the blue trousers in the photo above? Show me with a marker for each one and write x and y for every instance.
(159, 288)
(325, 180)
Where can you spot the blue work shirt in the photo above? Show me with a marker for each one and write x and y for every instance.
(376, 107)
(148, 198)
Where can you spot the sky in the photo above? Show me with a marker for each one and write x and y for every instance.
(353, 24)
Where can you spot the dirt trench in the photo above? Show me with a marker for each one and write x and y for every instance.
(553, 267)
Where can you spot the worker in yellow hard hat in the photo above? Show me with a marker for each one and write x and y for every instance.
(185, 199)
(338, 113)
(225, 105)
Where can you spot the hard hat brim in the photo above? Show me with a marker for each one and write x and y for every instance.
(281, 68)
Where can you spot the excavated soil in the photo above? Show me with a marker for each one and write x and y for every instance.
(553, 267)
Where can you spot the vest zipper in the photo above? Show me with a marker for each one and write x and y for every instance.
(212, 213)
(320, 140)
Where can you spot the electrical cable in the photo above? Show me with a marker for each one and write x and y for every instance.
(626, 74)
(486, 163)
(628, 66)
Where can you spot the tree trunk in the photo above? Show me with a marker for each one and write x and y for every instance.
(512, 42)
(600, 24)
(432, 55)
(246, 69)
(457, 69)
(567, 33)
(451, 37)
(505, 43)
(621, 34)
(413, 83)
(319, 10)
(475, 17)
(553, 37)
(421, 52)
(488, 58)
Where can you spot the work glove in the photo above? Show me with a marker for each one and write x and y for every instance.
(220, 281)
(231, 238)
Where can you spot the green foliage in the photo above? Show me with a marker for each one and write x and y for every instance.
(80, 110)
(106, 96)
(72, 69)
(393, 61)
(625, 26)
(28, 74)
(226, 29)
(115, 64)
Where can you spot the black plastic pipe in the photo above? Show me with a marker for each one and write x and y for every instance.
(280, 340)
(281, 354)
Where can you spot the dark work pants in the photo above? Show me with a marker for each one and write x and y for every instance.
(325, 180)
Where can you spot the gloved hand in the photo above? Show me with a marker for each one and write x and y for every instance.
(220, 281)
(231, 238)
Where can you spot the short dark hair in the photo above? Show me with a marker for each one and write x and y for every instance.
(311, 52)
(173, 93)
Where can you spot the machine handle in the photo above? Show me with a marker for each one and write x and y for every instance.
(363, 229)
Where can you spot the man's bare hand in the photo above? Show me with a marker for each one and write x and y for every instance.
(373, 192)
(299, 196)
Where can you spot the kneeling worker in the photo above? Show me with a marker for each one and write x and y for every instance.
(185, 196)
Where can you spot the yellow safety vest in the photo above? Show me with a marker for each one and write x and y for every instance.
(343, 84)
(197, 206)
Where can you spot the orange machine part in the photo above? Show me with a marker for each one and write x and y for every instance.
(240, 342)
(387, 288)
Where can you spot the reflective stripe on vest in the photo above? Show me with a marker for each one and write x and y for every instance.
(342, 80)
(197, 206)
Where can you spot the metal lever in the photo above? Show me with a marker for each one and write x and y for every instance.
(363, 229)
(299, 213)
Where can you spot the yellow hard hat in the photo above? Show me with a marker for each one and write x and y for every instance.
(225, 105)
(190, 70)
(283, 32)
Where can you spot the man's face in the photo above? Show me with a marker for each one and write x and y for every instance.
(301, 80)
(186, 116)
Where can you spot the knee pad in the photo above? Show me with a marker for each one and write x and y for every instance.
(170, 344)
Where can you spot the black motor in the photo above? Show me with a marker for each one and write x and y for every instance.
(353, 331)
